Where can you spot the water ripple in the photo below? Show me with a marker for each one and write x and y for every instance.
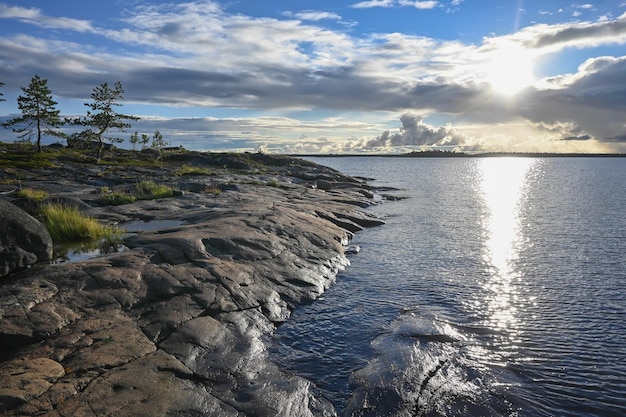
(445, 313)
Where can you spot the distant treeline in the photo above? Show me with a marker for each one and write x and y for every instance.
(542, 155)
(436, 153)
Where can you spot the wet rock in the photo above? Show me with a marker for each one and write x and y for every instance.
(24, 240)
(180, 323)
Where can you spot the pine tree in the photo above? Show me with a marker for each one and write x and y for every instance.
(158, 143)
(134, 139)
(145, 139)
(39, 113)
(102, 117)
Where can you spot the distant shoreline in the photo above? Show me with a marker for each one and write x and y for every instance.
(446, 154)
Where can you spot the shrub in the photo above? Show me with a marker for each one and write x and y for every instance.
(67, 224)
(273, 183)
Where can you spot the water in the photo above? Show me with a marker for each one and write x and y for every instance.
(82, 251)
(498, 288)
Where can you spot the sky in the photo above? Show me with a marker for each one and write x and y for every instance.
(333, 76)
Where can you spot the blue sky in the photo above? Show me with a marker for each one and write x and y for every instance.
(334, 76)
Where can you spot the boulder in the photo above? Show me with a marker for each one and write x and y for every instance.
(24, 240)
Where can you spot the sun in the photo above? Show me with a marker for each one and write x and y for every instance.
(510, 70)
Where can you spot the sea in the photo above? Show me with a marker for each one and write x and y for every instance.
(497, 287)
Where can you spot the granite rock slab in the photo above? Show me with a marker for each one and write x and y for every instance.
(179, 323)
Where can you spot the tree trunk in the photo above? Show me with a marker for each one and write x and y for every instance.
(38, 135)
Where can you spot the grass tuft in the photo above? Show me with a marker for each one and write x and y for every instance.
(150, 189)
(68, 224)
(115, 199)
(191, 170)
(144, 190)
(32, 195)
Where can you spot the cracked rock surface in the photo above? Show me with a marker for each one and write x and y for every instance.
(179, 323)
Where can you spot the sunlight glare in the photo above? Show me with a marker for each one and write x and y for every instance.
(503, 186)
(510, 70)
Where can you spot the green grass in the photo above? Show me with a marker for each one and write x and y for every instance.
(149, 189)
(109, 197)
(191, 170)
(32, 195)
(68, 224)
(144, 190)
(115, 199)
(273, 183)
(25, 156)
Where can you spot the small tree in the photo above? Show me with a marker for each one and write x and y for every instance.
(159, 143)
(145, 139)
(1, 95)
(102, 117)
(38, 112)
(134, 139)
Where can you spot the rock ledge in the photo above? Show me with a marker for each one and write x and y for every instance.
(178, 324)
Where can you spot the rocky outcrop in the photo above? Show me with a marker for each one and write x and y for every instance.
(24, 241)
(179, 323)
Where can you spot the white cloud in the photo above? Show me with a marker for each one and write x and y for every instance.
(415, 133)
(34, 16)
(313, 15)
(373, 3)
(591, 99)
(198, 56)
(426, 4)
(553, 38)
(423, 5)
(278, 134)
(605, 17)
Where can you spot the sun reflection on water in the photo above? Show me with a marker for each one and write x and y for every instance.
(503, 184)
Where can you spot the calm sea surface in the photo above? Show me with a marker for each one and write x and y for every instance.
(497, 288)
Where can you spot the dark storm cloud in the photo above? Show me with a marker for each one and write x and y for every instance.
(581, 137)
(444, 96)
(581, 33)
(618, 138)
(594, 99)
(183, 86)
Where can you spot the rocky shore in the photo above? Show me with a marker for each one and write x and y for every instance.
(178, 323)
